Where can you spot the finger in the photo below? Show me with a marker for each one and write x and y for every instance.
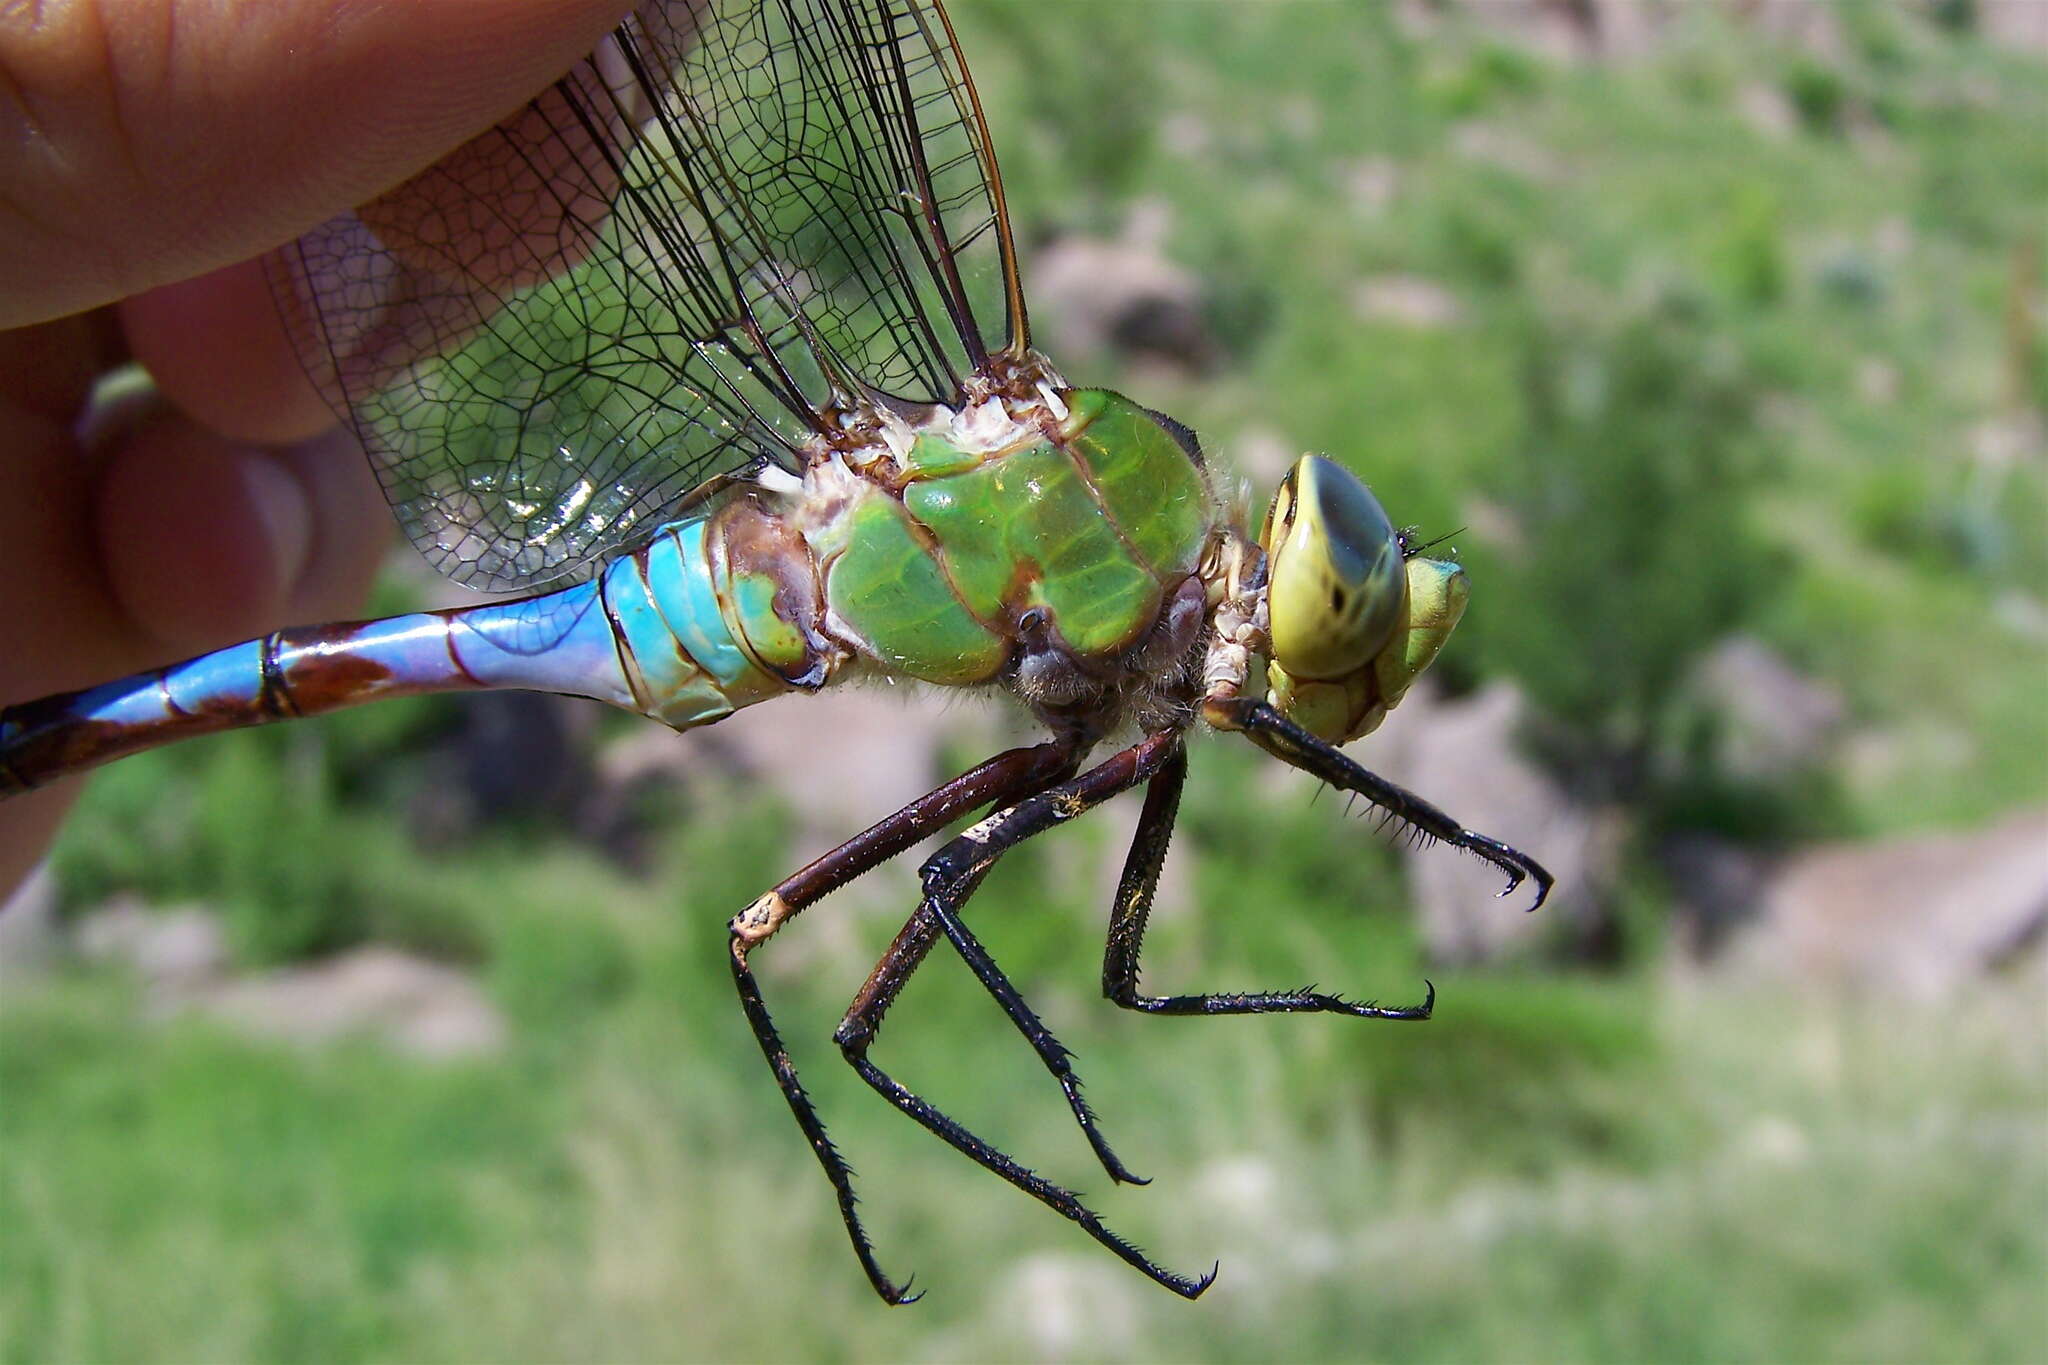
(166, 542)
(206, 540)
(174, 137)
(218, 350)
(47, 371)
(60, 629)
(353, 531)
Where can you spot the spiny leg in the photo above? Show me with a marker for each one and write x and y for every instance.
(950, 877)
(1001, 779)
(958, 872)
(915, 939)
(903, 957)
(944, 911)
(946, 889)
(1297, 748)
(1133, 909)
(907, 952)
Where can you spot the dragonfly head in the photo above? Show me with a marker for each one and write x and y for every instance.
(1354, 617)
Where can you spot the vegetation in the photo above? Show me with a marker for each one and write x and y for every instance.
(1569, 1169)
(1741, 331)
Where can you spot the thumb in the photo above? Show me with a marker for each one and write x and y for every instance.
(157, 139)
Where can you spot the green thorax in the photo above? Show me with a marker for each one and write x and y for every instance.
(1086, 523)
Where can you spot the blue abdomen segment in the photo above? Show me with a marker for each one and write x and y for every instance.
(682, 659)
(560, 642)
(647, 635)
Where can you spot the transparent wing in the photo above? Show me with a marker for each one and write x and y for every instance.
(728, 217)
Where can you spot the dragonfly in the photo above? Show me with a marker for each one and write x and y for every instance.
(716, 353)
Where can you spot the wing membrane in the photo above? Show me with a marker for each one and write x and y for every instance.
(729, 216)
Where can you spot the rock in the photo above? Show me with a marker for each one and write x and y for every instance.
(171, 950)
(1767, 109)
(1461, 756)
(509, 756)
(842, 760)
(2015, 25)
(1510, 149)
(1186, 134)
(2020, 612)
(1628, 30)
(1496, 523)
(1893, 238)
(1773, 1140)
(838, 761)
(1717, 885)
(1561, 30)
(1098, 295)
(1796, 24)
(1059, 1307)
(181, 956)
(29, 939)
(1244, 1188)
(1371, 184)
(418, 1007)
(1873, 759)
(1262, 455)
(1877, 381)
(526, 754)
(1998, 444)
(1408, 300)
(1921, 917)
(1774, 719)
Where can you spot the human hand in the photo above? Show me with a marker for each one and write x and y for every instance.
(149, 151)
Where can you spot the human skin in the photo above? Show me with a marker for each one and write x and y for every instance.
(150, 150)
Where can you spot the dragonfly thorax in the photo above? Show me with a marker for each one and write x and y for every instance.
(1005, 407)
(1044, 539)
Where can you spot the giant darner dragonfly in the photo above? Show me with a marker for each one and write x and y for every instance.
(721, 341)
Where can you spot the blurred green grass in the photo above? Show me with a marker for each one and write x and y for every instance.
(1654, 293)
(1555, 1168)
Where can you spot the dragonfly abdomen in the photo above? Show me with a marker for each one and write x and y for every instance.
(714, 614)
(559, 642)
(683, 631)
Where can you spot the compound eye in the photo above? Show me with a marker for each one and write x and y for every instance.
(1337, 584)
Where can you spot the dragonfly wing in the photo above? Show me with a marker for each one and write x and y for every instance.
(729, 216)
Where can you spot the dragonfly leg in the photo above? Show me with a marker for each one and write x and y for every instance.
(941, 912)
(950, 878)
(1133, 909)
(1001, 779)
(908, 951)
(1297, 748)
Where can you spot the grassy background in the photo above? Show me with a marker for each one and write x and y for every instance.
(1668, 314)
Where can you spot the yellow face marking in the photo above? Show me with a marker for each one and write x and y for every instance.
(1352, 621)
(1336, 585)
